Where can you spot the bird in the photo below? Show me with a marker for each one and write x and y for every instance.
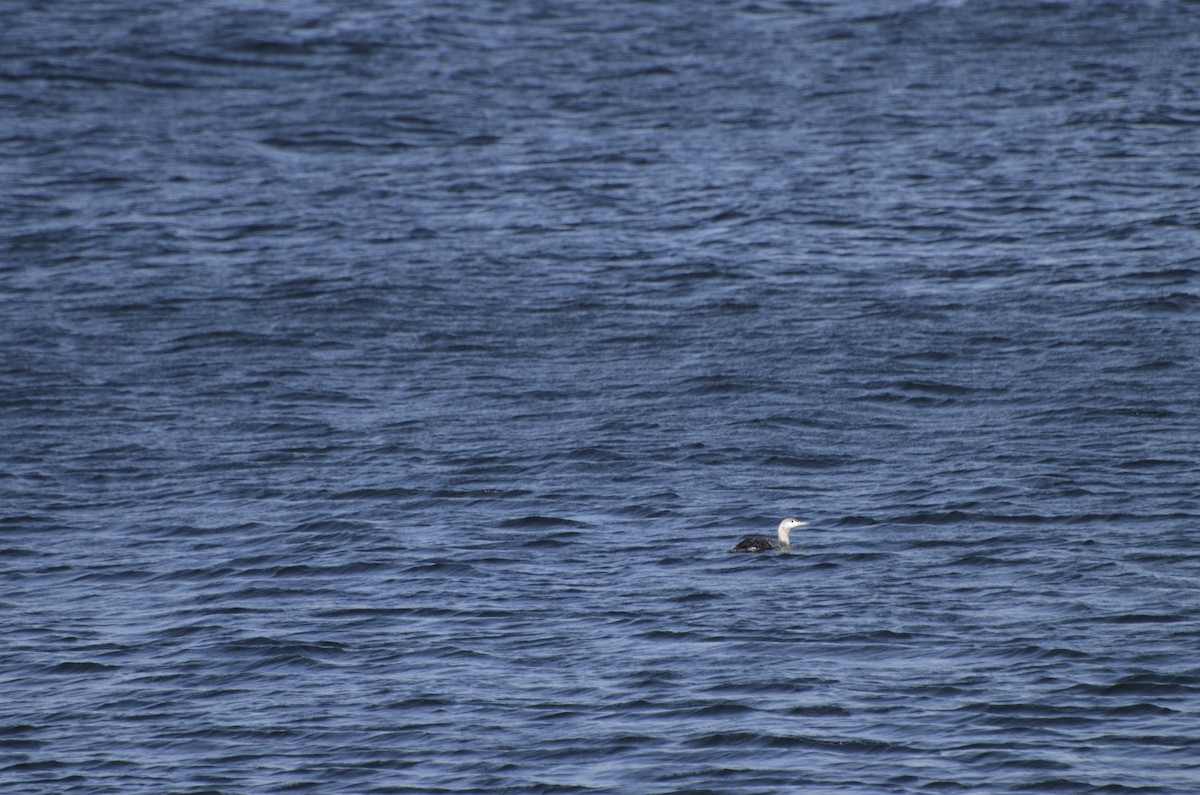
(762, 543)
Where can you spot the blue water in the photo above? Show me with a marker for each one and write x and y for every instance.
(383, 383)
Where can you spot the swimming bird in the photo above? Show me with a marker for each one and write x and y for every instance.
(762, 543)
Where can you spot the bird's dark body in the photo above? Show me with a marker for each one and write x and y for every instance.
(755, 544)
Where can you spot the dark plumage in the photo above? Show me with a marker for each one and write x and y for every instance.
(755, 544)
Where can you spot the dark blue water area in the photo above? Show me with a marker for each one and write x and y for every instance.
(382, 385)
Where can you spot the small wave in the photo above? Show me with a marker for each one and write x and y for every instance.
(934, 518)
(19, 552)
(557, 541)
(855, 521)
(539, 522)
(763, 740)
(84, 667)
(697, 596)
(1141, 618)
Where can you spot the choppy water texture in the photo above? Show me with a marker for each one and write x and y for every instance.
(382, 385)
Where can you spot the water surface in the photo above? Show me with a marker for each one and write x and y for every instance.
(382, 385)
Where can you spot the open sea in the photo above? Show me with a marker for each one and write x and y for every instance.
(383, 382)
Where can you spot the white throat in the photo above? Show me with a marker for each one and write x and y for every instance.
(785, 530)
